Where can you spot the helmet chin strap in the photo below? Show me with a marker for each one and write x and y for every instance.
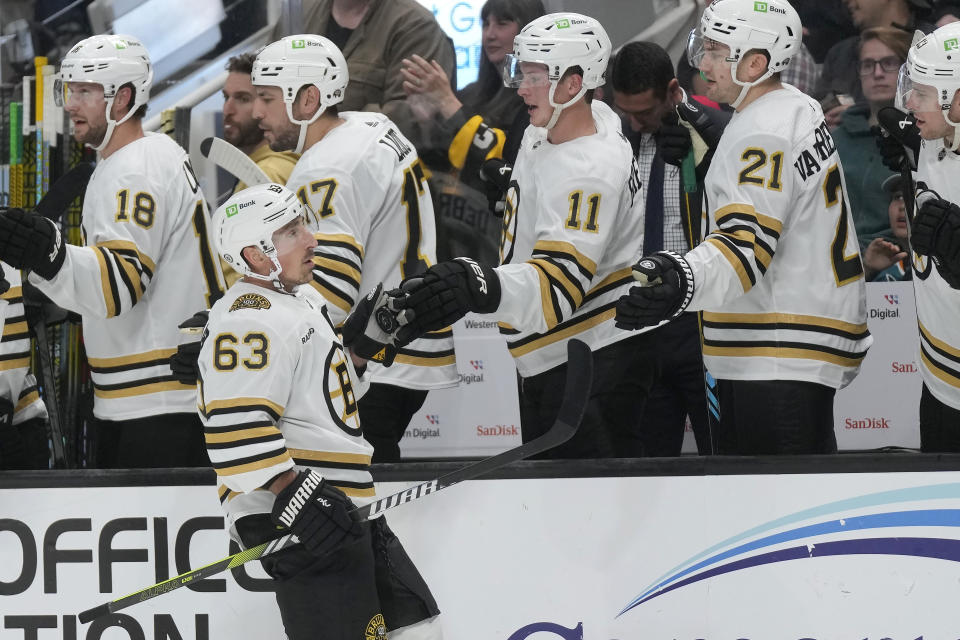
(955, 145)
(558, 108)
(304, 124)
(111, 124)
(745, 86)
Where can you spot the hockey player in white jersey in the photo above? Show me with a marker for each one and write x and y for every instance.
(779, 277)
(145, 264)
(366, 184)
(929, 86)
(278, 397)
(573, 225)
(23, 416)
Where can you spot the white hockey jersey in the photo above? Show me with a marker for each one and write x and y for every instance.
(369, 190)
(938, 304)
(779, 277)
(17, 385)
(146, 266)
(277, 392)
(573, 228)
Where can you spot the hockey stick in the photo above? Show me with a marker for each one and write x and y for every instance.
(236, 162)
(52, 206)
(576, 391)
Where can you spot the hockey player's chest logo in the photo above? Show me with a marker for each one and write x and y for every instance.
(811, 159)
(341, 396)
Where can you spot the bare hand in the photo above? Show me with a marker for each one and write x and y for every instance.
(429, 81)
(881, 254)
(834, 115)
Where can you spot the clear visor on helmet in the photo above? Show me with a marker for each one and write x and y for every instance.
(80, 93)
(291, 237)
(518, 73)
(915, 97)
(695, 48)
(699, 48)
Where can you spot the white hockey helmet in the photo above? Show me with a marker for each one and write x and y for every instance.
(249, 218)
(931, 75)
(295, 61)
(110, 61)
(745, 25)
(561, 41)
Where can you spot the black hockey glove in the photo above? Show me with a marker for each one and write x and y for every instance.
(30, 241)
(445, 293)
(666, 287)
(320, 515)
(495, 174)
(899, 139)
(4, 283)
(371, 328)
(184, 363)
(673, 140)
(707, 122)
(935, 232)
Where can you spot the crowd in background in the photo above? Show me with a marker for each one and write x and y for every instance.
(851, 56)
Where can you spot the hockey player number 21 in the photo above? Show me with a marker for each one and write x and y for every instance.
(846, 269)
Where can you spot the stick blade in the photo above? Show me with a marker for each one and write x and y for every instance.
(64, 191)
(92, 614)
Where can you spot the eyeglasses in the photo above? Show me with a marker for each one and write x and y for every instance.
(888, 64)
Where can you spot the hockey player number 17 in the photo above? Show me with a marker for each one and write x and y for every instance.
(846, 269)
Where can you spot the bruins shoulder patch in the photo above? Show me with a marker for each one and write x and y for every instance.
(250, 301)
(376, 628)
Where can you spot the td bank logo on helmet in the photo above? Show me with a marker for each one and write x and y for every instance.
(951, 44)
(302, 44)
(763, 7)
(234, 209)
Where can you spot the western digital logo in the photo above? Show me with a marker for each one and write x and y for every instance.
(480, 324)
(433, 418)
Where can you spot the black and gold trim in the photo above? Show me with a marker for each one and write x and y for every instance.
(122, 264)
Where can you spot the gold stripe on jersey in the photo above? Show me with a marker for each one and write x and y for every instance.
(332, 295)
(15, 329)
(780, 349)
(340, 240)
(551, 308)
(563, 331)
(612, 281)
(948, 351)
(236, 467)
(18, 360)
(566, 250)
(130, 249)
(769, 225)
(793, 321)
(106, 276)
(736, 261)
(347, 460)
(27, 397)
(335, 265)
(747, 238)
(426, 358)
(950, 376)
(242, 436)
(13, 295)
(242, 405)
(133, 361)
(559, 276)
(139, 388)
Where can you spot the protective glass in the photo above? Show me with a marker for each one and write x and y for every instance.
(83, 93)
(293, 238)
(695, 48)
(699, 48)
(518, 73)
(916, 98)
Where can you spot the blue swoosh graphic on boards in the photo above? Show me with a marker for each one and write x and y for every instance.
(950, 490)
(938, 548)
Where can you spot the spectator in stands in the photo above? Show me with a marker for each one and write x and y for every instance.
(840, 75)
(243, 131)
(945, 13)
(882, 50)
(645, 89)
(885, 260)
(483, 120)
(23, 416)
(374, 36)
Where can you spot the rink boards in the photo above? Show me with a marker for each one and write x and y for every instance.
(722, 555)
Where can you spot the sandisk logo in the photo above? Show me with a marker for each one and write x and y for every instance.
(300, 497)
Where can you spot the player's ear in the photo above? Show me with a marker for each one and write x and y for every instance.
(122, 102)
(954, 112)
(307, 102)
(257, 259)
(755, 63)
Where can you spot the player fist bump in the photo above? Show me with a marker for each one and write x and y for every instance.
(443, 294)
(371, 328)
(935, 232)
(320, 515)
(666, 286)
(30, 241)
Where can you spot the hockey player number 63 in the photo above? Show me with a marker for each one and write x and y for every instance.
(846, 269)
(226, 356)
